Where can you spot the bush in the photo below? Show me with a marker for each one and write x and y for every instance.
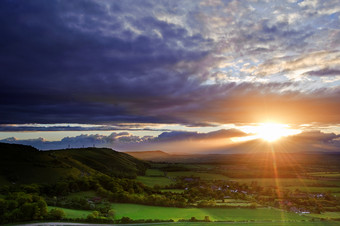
(56, 214)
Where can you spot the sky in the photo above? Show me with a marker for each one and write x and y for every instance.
(173, 75)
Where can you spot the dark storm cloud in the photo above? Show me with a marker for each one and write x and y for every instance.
(184, 135)
(8, 128)
(98, 62)
(80, 61)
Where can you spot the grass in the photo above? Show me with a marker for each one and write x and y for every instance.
(317, 189)
(327, 215)
(203, 176)
(151, 181)
(154, 172)
(72, 214)
(135, 211)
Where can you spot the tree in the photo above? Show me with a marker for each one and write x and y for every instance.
(125, 220)
(111, 213)
(207, 219)
(193, 219)
(56, 214)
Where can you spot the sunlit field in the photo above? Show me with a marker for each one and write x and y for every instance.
(148, 212)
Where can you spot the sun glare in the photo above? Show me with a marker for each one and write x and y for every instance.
(268, 131)
(274, 131)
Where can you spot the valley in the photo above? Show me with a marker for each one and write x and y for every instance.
(99, 185)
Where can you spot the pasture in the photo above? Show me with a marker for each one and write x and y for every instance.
(152, 181)
(135, 211)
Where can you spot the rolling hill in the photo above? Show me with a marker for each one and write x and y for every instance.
(25, 164)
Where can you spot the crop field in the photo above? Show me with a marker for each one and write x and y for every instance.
(72, 214)
(135, 211)
(152, 181)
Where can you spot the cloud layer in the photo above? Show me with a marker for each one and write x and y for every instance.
(126, 141)
(187, 62)
(184, 142)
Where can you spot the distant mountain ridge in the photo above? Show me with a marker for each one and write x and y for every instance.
(25, 164)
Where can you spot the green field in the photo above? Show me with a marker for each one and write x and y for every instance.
(151, 181)
(135, 211)
(317, 189)
(327, 215)
(71, 213)
(154, 172)
(203, 176)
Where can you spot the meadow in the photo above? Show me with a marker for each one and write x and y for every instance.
(135, 212)
(152, 181)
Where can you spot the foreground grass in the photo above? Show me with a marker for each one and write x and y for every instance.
(135, 212)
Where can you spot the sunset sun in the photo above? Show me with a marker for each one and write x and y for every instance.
(273, 131)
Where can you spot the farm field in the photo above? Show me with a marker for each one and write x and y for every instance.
(316, 189)
(326, 215)
(152, 181)
(135, 211)
(154, 172)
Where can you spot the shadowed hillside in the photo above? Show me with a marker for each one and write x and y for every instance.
(25, 164)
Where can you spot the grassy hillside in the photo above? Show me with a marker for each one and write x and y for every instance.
(25, 164)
